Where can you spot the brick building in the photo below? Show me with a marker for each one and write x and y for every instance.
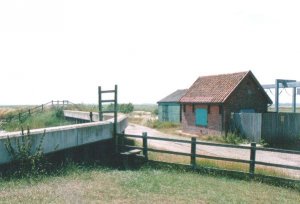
(209, 102)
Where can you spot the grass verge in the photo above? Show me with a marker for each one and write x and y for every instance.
(208, 163)
(96, 183)
(50, 118)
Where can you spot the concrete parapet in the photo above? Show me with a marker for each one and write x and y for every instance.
(82, 115)
(64, 137)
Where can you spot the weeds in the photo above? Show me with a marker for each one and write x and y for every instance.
(27, 160)
(161, 125)
(234, 138)
(51, 118)
(231, 138)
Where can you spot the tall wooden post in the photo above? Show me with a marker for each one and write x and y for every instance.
(294, 99)
(193, 152)
(145, 146)
(252, 159)
(91, 116)
(116, 109)
(277, 96)
(100, 104)
(116, 118)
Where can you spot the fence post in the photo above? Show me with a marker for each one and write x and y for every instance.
(252, 160)
(91, 116)
(121, 141)
(28, 130)
(19, 117)
(28, 111)
(145, 146)
(193, 152)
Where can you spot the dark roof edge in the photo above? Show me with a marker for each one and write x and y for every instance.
(246, 74)
(174, 97)
(257, 83)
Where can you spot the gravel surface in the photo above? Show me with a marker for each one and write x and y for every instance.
(263, 156)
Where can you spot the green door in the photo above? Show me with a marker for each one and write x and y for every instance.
(201, 117)
(165, 113)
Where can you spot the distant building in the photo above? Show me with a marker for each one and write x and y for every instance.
(209, 102)
(169, 107)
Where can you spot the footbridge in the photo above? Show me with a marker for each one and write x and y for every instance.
(64, 137)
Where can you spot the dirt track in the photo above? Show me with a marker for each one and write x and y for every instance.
(270, 157)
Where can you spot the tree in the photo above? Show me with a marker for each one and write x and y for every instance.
(126, 108)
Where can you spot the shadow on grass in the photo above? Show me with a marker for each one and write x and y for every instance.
(90, 156)
(100, 156)
(276, 181)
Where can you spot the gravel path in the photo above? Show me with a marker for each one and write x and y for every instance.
(270, 157)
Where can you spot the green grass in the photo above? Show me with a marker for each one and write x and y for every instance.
(94, 107)
(208, 163)
(231, 138)
(85, 184)
(145, 107)
(284, 109)
(156, 124)
(222, 165)
(49, 118)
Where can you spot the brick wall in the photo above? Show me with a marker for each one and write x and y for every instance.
(246, 96)
(214, 125)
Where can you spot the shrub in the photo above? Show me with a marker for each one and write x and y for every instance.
(59, 113)
(155, 111)
(161, 125)
(234, 138)
(123, 108)
(126, 108)
(26, 160)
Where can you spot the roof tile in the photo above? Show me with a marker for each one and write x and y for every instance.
(213, 89)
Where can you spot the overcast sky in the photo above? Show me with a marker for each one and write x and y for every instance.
(61, 49)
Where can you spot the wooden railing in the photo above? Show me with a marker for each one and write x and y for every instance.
(193, 154)
(23, 114)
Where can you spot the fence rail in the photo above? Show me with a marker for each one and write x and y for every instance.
(21, 115)
(193, 155)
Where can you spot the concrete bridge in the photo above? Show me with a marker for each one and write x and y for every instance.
(65, 137)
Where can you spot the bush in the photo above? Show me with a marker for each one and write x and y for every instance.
(26, 160)
(59, 113)
(123, 108)
(234, 138)
(155, 111)
(161, 125)
(126, 108)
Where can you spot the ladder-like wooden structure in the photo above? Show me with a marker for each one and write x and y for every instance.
(114, 111)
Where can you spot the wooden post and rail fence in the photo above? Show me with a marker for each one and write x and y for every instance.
(37, 109)
(252, 162)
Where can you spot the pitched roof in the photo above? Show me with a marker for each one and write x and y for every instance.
(173, 97)
(215, 88)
